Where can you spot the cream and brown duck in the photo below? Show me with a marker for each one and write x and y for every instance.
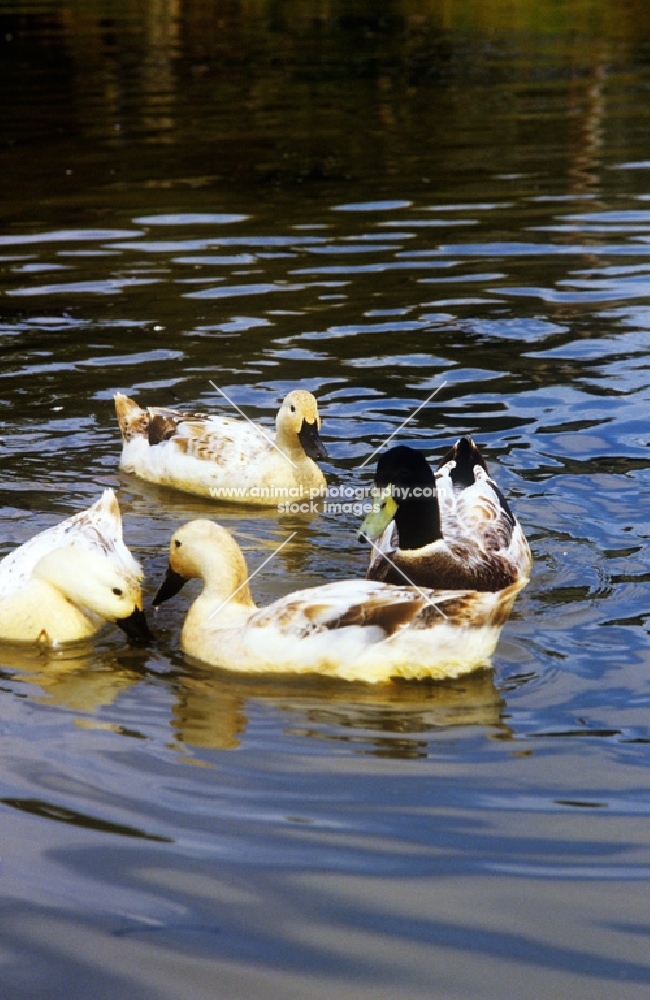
(356, 630)
(223, 458)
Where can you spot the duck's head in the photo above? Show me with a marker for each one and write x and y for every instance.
(298, 425)
(204, 549)
(408, 496)
(92, 581)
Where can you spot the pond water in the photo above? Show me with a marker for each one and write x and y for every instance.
(372, 207)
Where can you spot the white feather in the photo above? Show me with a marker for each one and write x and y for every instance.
(63, 584)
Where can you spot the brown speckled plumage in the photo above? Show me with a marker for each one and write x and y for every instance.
(220, 457)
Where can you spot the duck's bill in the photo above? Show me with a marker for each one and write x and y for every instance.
(169, 587)
(311, 441)
(377, 521)
(135, 626)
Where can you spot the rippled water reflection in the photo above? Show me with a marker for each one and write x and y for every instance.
(173, 831)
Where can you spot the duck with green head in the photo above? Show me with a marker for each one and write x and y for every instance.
(451, 529)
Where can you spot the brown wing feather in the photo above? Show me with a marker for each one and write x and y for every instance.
(156, 423)
(469, 609)
(389, 613)
(163, 424)
(390, 617)
(161, 428)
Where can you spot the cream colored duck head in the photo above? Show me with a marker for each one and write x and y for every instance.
(297, 425)
(90, 580)
(203, 549)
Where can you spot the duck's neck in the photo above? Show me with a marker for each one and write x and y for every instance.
(418, 522)
(236, 596)
(288, 443)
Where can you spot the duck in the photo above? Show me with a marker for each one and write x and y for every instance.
(352, 630)
(65, 583)
(224, 458)
(449, 529)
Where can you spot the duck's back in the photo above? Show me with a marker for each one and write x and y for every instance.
(99, 528)
(474, 512)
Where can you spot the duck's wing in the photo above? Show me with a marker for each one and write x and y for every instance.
(472, 507)
(97, 528)
(220, 440)
(380, 609)
(478, 527)
(476, 513)
(156, 424)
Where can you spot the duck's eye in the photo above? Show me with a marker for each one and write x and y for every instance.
(293, 409)
(117, 591)
(177, 543)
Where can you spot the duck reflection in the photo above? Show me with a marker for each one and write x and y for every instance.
(81, 678)
(387, 720)
(211, 707)
(208, 714)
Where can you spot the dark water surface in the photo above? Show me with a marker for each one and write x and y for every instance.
(367, 201)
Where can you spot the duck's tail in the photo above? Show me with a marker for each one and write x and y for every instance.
(133, 421)
(466, 455)
(106, 512)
